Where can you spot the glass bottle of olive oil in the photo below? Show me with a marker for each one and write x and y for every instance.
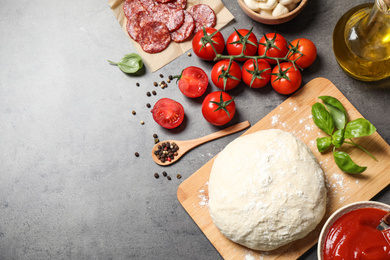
(361, 41)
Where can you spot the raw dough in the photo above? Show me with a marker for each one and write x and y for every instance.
(266, 189)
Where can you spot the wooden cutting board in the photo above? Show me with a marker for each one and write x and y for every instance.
(294, 116)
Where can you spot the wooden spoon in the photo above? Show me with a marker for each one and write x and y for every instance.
(185, 146)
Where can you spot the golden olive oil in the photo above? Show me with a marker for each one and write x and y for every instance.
(361, 43)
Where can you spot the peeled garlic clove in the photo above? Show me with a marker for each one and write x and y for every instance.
(269, 5)
(285, 2)
(279, 10)
(291, 6)
(252, 4)
(266, 12)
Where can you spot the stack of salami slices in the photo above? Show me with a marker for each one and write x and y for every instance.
(154, 23)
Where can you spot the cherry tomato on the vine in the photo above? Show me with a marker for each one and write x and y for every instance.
(256, 75)
(303, 49)
(286, 79)
(225, 77)
(193, 82)
(201, 43)
(276, 44)
(168, 113)
(242, 41)
(218, 108)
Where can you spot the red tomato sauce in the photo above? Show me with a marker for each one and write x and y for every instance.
(354, 236)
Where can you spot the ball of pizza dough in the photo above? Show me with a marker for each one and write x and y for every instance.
(266, 190)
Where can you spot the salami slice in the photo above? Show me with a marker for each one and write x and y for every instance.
(147, 4)
(163, 1)
(132, 7)
(203, 16)
(185, 31)
(135, 23)
(154, 37)
(172, 18)
(177, 4)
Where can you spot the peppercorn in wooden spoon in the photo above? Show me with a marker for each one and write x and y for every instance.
(168, 152)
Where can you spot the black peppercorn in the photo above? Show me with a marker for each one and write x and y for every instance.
(136, 154)
(156, 175)
(148, 94)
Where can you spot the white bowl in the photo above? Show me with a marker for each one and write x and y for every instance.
(337, 214)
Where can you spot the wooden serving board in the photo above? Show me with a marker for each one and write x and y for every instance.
(294, 116)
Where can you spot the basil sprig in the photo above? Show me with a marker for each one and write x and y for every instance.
(332, 118)
(130, 63)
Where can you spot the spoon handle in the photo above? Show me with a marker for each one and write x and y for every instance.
(227, 131)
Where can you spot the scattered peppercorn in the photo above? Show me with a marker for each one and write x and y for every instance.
(148, 105)
(161, 75)
(142, 122)
(156, 141)
(155, 136)
(133, 112)
(164, 173)
(137, 84)
(154, 92)
(156, 175)
(168, 80)
(148, 94)
(178, 176)
(169, 178)
(189, 54)
(136, 154)
(170, 77)
(155, 84)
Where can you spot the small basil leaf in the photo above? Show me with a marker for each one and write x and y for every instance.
(130, 63)
(334, 102)
(338, 138)
(358, 128)
(322, 118)
(337, 115)
(345, 163)
(323, 143)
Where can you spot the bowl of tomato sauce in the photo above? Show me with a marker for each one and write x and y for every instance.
(351, 233)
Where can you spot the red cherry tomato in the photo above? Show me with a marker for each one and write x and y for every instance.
(288, 80)
(193, 82)
(206, 52)
(168, 113)
(218, 108)
(224, 77)
(242, 41)
(256, 75)
(277, 46)
(303, 49)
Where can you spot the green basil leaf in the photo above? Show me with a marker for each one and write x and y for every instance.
(130, 63)
(345, 163)
(358, 128)
(338, 138)
(322, 118)
(336, 110)
(323, 143)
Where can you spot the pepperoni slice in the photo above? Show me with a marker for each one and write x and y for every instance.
(203, 16)
(185, 31)
(172, 18)
(132, 7)
(154, 37)
(135, 23)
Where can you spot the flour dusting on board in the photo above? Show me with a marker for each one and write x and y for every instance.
(203, 196)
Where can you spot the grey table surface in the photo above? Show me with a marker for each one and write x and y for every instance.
(70, 185)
